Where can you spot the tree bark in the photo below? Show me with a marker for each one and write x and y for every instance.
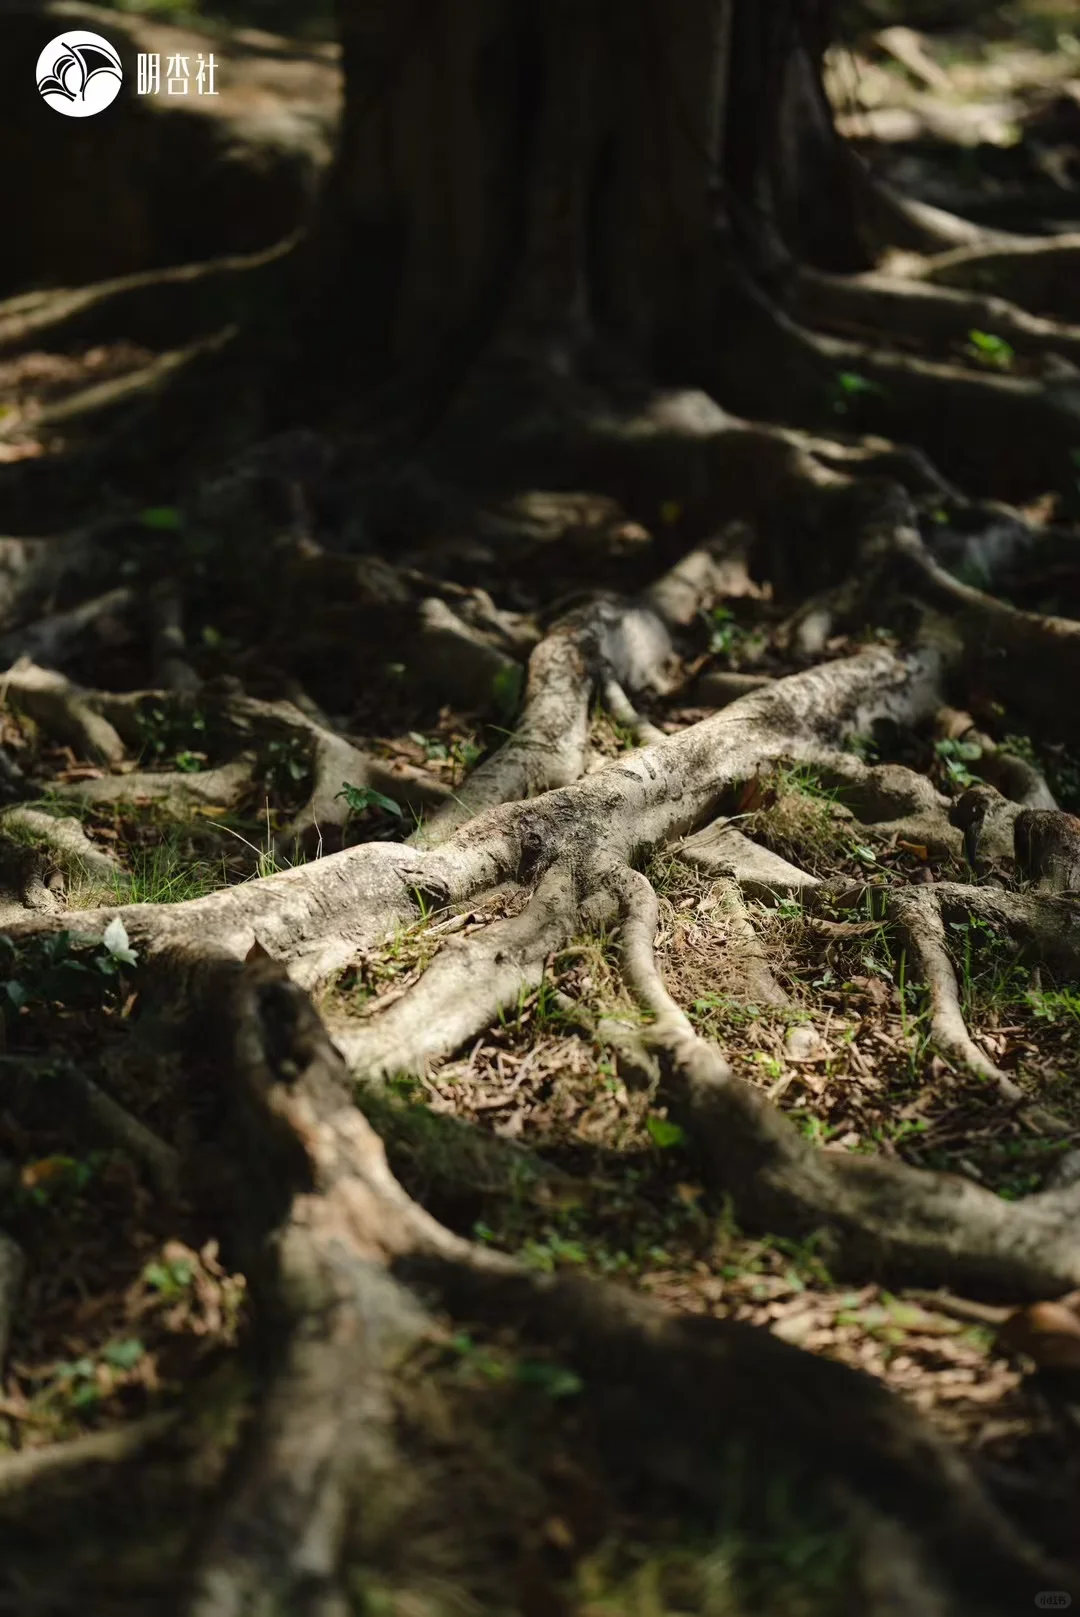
(567, 175)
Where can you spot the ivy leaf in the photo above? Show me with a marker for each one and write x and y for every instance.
(116, 942)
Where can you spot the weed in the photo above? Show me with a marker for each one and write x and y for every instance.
(165, 732)
(956, 755)
(864, 747)
(286, 764)
(849, 388)
(61, 968)
(992, 352)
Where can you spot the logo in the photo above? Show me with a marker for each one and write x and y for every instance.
(79, 74)
(1053, 1600)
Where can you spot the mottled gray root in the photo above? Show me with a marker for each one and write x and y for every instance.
(318, 917)
(57, 638)
(875, 1216)
(607, 647)
(65, 711)
(342, 1322)
(917, 916)
(354, 1267)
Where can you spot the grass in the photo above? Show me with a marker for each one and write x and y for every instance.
(161, 875)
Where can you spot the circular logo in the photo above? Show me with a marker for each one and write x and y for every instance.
(79, 74)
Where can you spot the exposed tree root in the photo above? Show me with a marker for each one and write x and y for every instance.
(22, 1474)
(877, 1213)
(68, 846)
(919, 917)
(56, 639)
(351, 1274)
(351, 1253)
(572, 843)
(1037, 272)
(1019, 654)
(603, 647)
(65, 711)
(940, 316)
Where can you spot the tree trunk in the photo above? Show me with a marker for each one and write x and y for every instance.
(567, 173)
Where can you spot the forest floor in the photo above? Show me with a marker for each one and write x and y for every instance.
(254, 677)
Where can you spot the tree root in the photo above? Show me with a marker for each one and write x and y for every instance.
(63, 709)
(1037, 272)
(208, 788)
(938, 315)
(602, 647)
(347, 1248)
(356, 1267)
(56, 639)
(69, 847)
(918, 918)
(22, 1475)
(342, 1321)
(1019, 654)
(879, 1216)
(335, 763)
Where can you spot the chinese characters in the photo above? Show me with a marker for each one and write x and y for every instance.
(178, 77)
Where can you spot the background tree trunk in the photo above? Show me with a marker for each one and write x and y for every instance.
(566, 171)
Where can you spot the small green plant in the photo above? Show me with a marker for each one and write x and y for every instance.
(171, 1280)
(725, 631)
(864, 747)
(162, 518)
(56, 1181)
(664, 1133)
(993, 352)
(359, 799)
(287, 763)
(506, 689)
(58, 969)
(956, 755)
(849, 387)
(1054, 1005)
(165, 733)
(554, 1253)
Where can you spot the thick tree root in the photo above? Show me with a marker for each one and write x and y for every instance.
(350, 1256)
(610, 647)
(1037, 272)
(937, 315)
(338, 1278)
(878, 1214)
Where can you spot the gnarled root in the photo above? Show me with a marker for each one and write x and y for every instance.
(879, 1215)
(354, 1270)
